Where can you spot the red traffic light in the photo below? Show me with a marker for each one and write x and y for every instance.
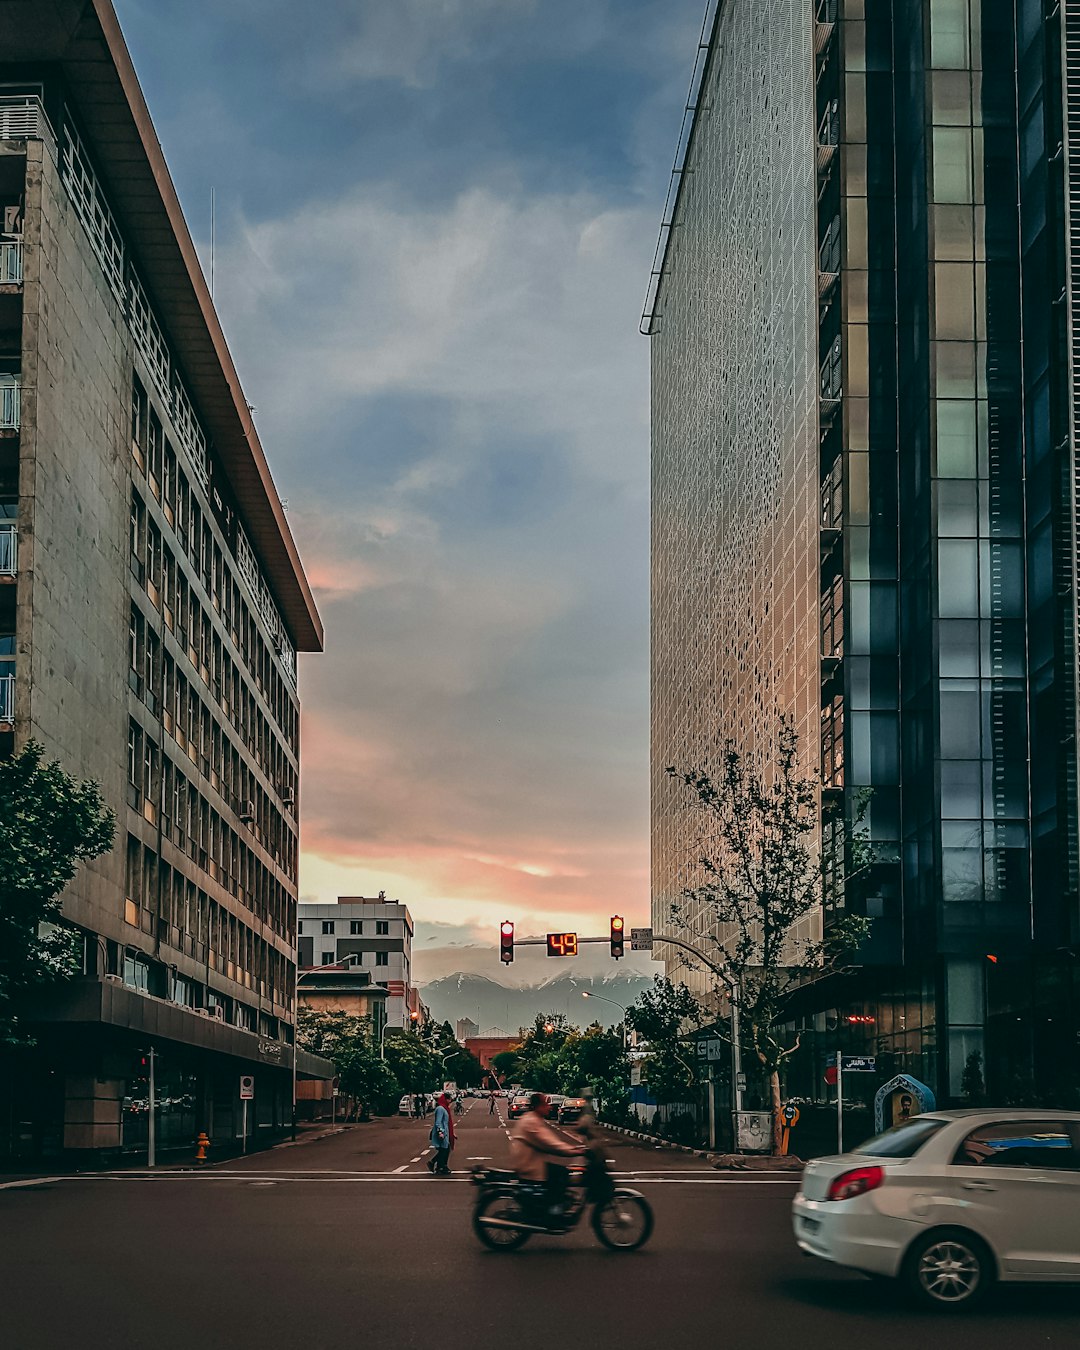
(618, 945)
(506, 942)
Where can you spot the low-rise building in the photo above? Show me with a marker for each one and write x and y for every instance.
(372, 935)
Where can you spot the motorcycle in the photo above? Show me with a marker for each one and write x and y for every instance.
(509, 1211)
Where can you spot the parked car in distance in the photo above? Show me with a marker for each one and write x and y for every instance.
(950, 1202)
(404, 1107)
(570, 1109)
(518, 1106)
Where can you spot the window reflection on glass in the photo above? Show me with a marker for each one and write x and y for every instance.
(949, 44)
(953, 179)
(954, 301)
(957, 508)
(954, 369)
(956, 443)
(951, 98)
(954, 232)
(958, 579)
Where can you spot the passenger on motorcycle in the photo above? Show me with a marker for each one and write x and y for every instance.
(532, 1144)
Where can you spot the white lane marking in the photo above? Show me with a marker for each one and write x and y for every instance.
(382, 1178)
(417, 1158)
(33, 1181)
(403, 1168)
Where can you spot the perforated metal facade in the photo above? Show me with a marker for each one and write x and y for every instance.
(735, 446)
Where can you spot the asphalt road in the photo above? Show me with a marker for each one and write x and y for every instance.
(347, 1241)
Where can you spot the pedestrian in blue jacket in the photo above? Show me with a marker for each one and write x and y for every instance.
(442, 1137)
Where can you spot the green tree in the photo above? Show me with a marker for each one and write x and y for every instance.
(595, 1058)
(661, 1017)
(348, 1041)
(415, 1066)
(538, 1056)
(505, 1064)
(769, 864)
(49, 823)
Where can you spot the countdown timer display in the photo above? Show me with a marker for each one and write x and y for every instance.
(562, 944)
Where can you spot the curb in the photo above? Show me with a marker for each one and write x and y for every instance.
(312, 1137)
(734, 1162)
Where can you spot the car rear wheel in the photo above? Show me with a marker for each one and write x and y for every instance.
(949, 1270)
(500, 1236)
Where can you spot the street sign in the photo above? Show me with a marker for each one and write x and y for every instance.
(641, 939)
(635, 1075)
(714, 1049)
(858, 1063)
(247, 1087)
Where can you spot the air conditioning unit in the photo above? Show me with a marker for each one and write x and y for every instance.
(247, 811)
(219, 1013)
(288, 798)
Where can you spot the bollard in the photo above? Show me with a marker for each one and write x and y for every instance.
(203, 1143)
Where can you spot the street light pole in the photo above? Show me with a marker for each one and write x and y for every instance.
(604, 999)
(732, 984)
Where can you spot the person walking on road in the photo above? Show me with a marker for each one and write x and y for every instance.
(442, 1138)
(491, 1102)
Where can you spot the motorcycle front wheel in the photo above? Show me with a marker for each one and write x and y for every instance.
(623, 1223)
(503, 1236)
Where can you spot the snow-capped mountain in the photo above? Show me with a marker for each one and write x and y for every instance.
(500, 1009)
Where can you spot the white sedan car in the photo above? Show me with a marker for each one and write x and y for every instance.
(950, 1202)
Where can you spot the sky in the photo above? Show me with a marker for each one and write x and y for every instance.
(434, 225)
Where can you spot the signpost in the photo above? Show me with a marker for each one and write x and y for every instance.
(848, 1064)
(641, 939)
(247, 1094)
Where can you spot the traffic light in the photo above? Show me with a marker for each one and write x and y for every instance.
(506, 942)
(617, 936)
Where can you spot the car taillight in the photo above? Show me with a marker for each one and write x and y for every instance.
(856, 1182)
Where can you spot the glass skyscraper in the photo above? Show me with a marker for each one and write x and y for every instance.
(865, 508)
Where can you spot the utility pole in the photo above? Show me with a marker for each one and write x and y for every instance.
(151, 1138)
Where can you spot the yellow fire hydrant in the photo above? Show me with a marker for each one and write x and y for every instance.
(203, 1143)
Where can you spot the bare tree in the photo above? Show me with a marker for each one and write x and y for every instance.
(766, 875)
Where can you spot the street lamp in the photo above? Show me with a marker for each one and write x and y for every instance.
(604, 999)
(303, 975)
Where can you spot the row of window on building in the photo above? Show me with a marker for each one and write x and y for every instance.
(164, 903)
(191, 526)
(328, 927)
(157, 680)
(164, 796)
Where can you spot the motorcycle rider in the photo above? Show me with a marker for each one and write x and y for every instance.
(533, 1143)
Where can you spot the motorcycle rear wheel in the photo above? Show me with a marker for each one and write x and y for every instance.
(624, 1223)
(499, 1207)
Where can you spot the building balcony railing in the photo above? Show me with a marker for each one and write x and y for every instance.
(9, 402)
(9, 549)
(22, 118)
(7, 698)
(11, 255)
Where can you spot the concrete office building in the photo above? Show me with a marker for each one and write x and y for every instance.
(150, 620)
(375, 936)
(864, 333)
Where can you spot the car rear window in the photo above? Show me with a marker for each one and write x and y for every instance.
(903, 1140)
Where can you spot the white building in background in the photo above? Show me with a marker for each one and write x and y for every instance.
(377, 933)
(465, 1029)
